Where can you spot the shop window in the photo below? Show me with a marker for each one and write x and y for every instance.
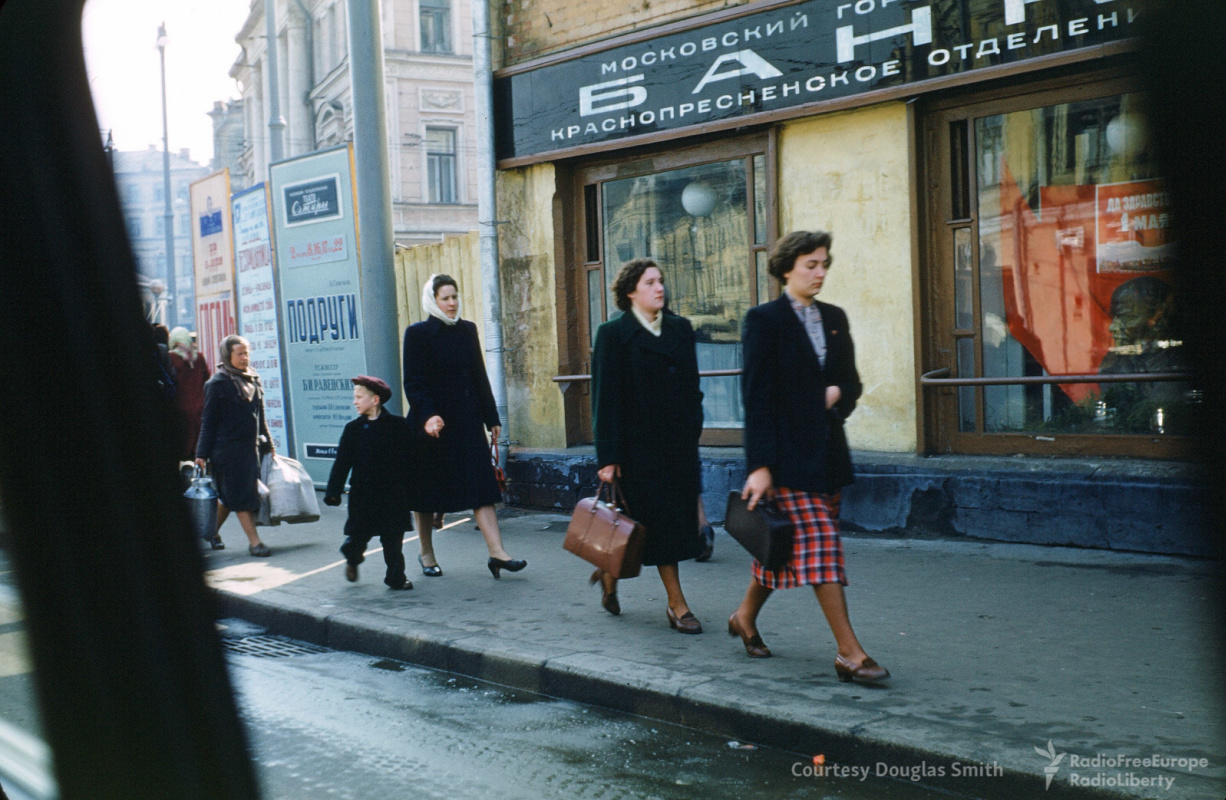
(1053, 257)
(708, 225)
(435, 26)
(441, 164)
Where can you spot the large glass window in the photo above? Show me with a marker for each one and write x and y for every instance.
(441, 164)
(707, 227)
(1057, 241)
(435, 26)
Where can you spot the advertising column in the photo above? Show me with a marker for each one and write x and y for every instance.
(213, 263)
(316, 241)
(254, 275)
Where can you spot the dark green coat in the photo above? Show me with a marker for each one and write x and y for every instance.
(647, 417)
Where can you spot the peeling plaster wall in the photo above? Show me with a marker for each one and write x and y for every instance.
(526, 242)
(848, 174)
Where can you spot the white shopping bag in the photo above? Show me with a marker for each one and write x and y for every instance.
(291, 492)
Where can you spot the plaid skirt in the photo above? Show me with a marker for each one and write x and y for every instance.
(817, 551)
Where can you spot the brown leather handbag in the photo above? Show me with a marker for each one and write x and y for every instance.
(601, 534)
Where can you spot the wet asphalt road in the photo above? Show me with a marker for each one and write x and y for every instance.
(327, 724)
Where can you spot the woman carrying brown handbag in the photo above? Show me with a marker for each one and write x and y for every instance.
(799, 384)
(647, 417)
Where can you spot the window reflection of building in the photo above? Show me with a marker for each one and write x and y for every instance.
(704, 253)
(1047, 261)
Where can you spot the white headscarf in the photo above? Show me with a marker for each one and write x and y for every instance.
(431, 308)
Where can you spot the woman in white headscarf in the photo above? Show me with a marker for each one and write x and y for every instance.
(452, 405)
(191, 373)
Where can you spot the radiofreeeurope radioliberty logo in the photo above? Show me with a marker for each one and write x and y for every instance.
(1054, 760)
(1118, 770)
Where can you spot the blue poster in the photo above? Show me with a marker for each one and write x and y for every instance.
(320, 299)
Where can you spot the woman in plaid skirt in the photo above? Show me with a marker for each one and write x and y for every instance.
(799, 384)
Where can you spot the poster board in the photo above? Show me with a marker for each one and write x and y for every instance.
(316, 246)
(258, 311)
(213, 263)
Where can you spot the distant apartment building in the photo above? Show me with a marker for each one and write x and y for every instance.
(429, 99)
(140, 181)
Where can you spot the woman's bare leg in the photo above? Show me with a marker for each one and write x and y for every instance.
(671, 577)
(747, 612)
(834, 606)
(487, 521)
(425, 537)
(247, 520)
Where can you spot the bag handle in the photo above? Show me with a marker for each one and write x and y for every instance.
(616, 498)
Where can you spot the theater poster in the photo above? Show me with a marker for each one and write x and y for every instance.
(258, 313)
(315, 237)
(213, 263)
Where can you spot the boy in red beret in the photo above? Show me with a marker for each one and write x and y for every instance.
(376, 447)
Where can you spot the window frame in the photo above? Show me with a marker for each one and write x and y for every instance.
(575, 334)
(938, 405)
(438, 11)
(432, 156)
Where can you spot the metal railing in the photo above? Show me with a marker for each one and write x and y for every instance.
(934, 378)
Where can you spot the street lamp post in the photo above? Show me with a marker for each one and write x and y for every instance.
(169, 211)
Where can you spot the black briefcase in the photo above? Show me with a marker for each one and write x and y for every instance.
(766, 532)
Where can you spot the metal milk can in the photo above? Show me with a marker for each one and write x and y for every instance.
(202, 504)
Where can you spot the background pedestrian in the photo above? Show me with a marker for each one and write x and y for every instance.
(191, 373)
(376, 447)
(451, 403)
(233, 436)
(647, 417)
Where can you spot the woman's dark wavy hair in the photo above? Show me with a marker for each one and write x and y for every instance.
(443, 280)
(627, 280)
(792, 247)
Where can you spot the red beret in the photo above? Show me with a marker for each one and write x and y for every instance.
(376, 385)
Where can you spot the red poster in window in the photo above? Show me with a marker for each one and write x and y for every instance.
(1061, 263)
(1133, 220)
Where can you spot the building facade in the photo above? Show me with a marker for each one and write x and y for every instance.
(428, 93)
(999, 226)
(140, 180)
(228, 141)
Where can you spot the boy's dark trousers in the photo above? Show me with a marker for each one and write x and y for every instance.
(354, 550)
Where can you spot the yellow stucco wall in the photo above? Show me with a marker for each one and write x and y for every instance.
(526, 242)
(847, 173)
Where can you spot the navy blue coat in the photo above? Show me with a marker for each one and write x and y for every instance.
(444, 375)
(647, 417)
(379, 453)
(783, 385)
(230, 428)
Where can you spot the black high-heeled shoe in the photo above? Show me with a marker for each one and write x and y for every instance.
(496, 565)
(433, 571)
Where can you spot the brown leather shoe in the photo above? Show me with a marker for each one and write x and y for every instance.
(351, 572)
(754, 646)
(687, 623)
(608, 600)
(869, 671)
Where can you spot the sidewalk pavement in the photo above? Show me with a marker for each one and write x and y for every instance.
(995, 649)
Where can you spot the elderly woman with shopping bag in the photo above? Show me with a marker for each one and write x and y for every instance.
(233, 435)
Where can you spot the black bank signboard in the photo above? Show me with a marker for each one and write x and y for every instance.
(784, 57)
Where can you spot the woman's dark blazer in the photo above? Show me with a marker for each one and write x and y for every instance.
(787, 427)
(230, 428)
(444, 375)
(647, 416)
(378, 452)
